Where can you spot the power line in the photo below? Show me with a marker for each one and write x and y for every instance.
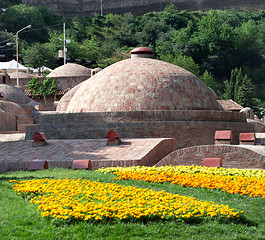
(7, 39)
(5, 46)
(5, 50)
(36, 29)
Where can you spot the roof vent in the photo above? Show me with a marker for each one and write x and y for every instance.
(142, 52)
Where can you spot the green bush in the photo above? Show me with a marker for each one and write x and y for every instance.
(44, 88)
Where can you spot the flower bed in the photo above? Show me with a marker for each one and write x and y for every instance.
(244, 182)
(82, 199)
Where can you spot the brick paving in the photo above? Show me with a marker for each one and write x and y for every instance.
(15, 155)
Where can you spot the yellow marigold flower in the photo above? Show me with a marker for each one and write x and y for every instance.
(83, 199)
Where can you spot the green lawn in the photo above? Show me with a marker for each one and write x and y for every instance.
(19, 219)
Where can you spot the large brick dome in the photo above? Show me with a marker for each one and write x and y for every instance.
(142, 83)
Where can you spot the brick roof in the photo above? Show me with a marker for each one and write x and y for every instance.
(230, 105)
(11, 107)
(142, 84)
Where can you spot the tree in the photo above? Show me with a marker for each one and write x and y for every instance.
(237, 77)
(228, 90)
(7, 3)
(182, 61)
(127, 33)
(6, 37)
(208, 79)
(232, 86)
(151, 32)
(19, 16)
(246, 93)
(39, 55)
(247, 47)
(171, 16)
(240, 89)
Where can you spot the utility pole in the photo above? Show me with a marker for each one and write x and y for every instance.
(64, 48)
(101, 7)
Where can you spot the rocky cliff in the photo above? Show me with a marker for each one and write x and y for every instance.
(85, 8)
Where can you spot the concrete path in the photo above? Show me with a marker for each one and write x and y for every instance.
(255, 148)
(12, 137)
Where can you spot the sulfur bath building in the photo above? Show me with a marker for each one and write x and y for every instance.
(142, 97)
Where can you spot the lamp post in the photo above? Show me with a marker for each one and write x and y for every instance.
(29, 26)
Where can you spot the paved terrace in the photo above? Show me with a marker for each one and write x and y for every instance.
(15, 155)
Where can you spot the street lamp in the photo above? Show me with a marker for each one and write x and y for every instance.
(7, 44)
(29, 26)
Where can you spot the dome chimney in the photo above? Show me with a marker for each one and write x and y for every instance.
(142, 52)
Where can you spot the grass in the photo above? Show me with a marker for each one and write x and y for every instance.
(20, 220)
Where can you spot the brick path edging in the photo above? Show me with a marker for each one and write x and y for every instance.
(232, 156)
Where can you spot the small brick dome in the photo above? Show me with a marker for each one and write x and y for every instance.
(70, 70)
(12, 107)
(14, 94)
(142, 83)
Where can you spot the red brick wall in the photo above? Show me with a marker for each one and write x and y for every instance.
(22, 82)
(69, 82)
(24, 120)
(152, 115)
(161, 150)
(8, 121)
(258, 126)
(143, 124)
(232, 156)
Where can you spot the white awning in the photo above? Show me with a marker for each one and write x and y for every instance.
(12, 65)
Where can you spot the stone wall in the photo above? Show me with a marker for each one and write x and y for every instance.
(85, 8)
(232, 156)
(188, 127)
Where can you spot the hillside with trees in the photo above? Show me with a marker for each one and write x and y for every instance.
(224, 48)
